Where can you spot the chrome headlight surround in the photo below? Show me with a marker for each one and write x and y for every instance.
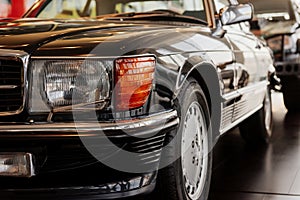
(68, 84)
(275, 43)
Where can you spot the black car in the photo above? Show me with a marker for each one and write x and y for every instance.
(102, 99)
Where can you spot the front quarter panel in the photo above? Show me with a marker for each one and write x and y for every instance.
(180, 52)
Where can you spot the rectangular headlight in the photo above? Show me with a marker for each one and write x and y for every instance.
(275, 43)
(61, 83)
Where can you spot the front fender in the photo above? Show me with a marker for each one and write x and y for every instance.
(208, 78)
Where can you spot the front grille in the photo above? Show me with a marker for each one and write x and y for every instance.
(11, 81)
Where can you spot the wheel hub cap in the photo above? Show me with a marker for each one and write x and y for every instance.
(194, 148)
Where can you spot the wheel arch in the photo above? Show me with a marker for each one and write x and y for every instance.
(205, 73)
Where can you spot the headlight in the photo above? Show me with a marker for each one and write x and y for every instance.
(275, 43)
(69, 84)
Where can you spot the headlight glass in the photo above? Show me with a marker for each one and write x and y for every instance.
(61, 85)
(275, 43)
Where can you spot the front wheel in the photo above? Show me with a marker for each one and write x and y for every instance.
(194, 152)
(291, 100)
(188, 178)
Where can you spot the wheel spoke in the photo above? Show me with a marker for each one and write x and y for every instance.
(194, 159)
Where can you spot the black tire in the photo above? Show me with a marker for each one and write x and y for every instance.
(174, 182)
(291, 94)
(257, 129)
(291, 100)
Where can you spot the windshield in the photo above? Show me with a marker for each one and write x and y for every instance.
(72, 9)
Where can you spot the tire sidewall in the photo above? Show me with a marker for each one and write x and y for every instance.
(267, 133)
(268, 98)
(191, 92)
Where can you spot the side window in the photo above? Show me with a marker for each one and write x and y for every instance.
(221, 4)
(195, 8)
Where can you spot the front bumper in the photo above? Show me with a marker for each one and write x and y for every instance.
(136, 127)
(121, 189)
(66, 169)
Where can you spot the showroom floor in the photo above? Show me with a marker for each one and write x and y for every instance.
(260, 173)
(242, 172)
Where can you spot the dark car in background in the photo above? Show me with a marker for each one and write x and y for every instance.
(278, 22)
(104, 99)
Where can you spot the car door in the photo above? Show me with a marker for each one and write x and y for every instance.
(222, 56)
(250, 65)
(250, 68)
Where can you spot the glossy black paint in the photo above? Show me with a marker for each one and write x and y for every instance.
(101, 39)
(227, 68)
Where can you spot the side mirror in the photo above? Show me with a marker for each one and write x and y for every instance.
(236, 13)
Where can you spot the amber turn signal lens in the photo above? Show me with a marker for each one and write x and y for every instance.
(133, 81)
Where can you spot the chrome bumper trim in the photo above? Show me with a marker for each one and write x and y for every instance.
(148, 124)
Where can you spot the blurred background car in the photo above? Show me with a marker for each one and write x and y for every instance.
(278, 22)
(85, 81)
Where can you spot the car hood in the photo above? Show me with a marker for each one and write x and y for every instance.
(30, 34)
(81, 37)
(278, 28)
